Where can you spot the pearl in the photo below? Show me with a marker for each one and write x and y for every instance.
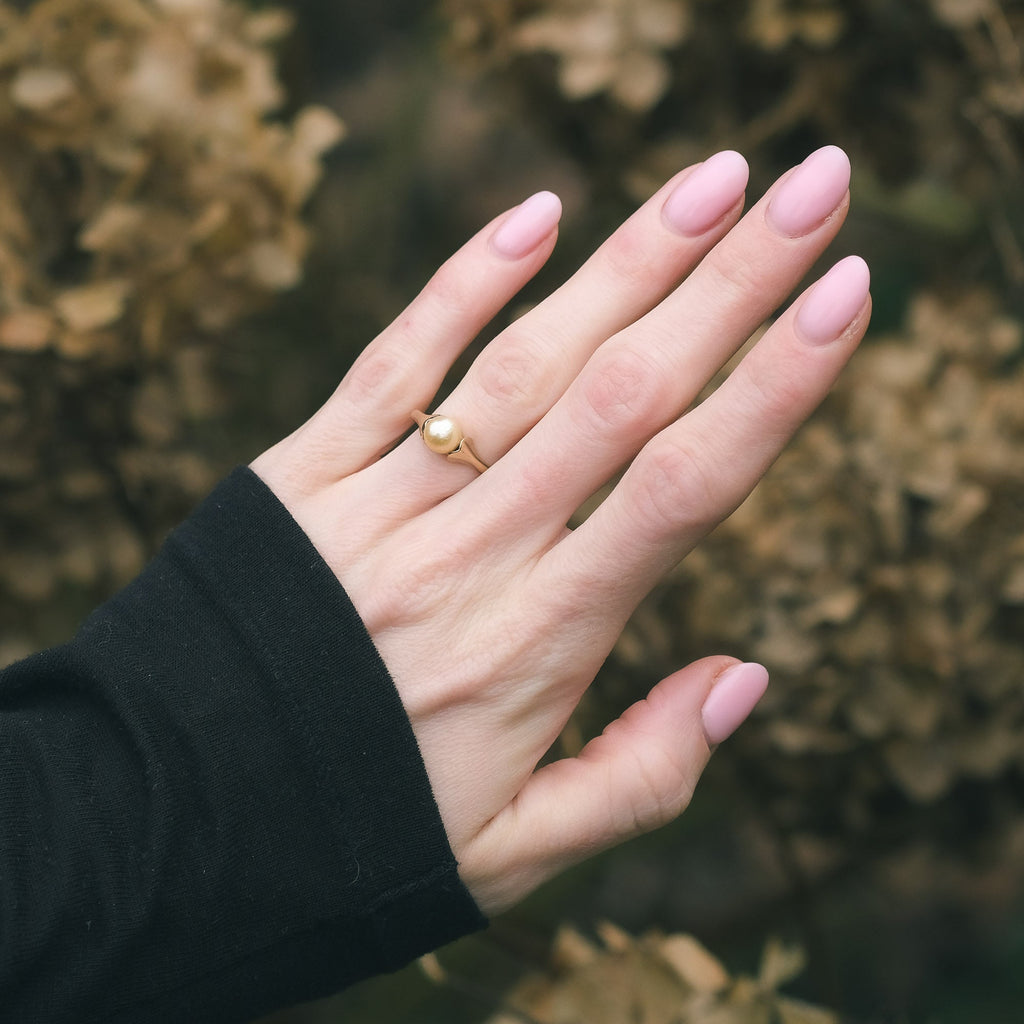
(441, 435)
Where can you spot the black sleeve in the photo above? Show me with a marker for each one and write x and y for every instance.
(212, 804)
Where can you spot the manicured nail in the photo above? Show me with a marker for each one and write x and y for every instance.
(706, 195)
(527, 226)
(810, 193)
(734, 695)
(831, 305)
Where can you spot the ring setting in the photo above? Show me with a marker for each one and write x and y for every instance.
(443, 436)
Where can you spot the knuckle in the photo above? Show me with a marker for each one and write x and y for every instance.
(679, 487)
(661, 786)
(509, 371)
(734, 276)
(421, 584)
(451, 288)
(629, 259)
(776, 393)
(535, 487)
(377, 376)
(663, 792)
(622, 388)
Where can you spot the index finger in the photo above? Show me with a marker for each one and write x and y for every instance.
(698, 470)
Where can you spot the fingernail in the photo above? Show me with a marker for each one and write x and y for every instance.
(831, 305)
(527, 226)
(735, 694)
(811, 192)
(713, 188)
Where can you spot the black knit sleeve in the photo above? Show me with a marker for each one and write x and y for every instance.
(212, 804)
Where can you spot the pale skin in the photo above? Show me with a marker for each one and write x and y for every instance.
(493, 616)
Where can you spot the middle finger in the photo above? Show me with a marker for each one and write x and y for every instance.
(646, 376)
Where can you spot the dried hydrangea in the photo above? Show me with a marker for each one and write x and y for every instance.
(612, 46)
(656, 978)
(616, 48)
(878, 571)
(771, 77)
(149, 198)
(146, 192)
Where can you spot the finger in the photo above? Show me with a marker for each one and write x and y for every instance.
(638, 775)
(628, 275)
(644, 378)
(526, 369)
(694, 473)
(405, 365)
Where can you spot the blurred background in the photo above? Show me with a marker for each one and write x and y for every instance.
(208, 208)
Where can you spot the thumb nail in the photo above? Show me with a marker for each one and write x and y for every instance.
(734, 695)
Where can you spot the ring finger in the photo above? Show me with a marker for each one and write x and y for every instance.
(524, 371)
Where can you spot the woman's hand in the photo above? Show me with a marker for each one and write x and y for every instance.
(491, 615)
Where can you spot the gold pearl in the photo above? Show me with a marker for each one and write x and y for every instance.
(441, 435)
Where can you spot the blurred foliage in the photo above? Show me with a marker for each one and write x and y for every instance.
(927, 95)
(147, 202)
(654, 979)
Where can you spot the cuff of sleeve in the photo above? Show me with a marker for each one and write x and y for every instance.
(347, 716)
(217, 806)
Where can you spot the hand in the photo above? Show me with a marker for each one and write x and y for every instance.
(492, 616)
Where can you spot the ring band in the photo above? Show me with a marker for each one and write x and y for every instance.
(443, 436)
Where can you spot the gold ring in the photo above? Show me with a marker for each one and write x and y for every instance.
(443, 436)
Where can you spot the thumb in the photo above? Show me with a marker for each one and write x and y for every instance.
(639, 774)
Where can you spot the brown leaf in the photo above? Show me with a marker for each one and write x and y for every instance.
(614, 937)
(584, 75)
(988, 751)
(274, 267)
(268, 26)
(835, 608)
(30, 575)
(924, 770)
(42, 88)
(780, 964)
(661, 23)
(316, 130)
(693, 963)
(571, 949)
(792, 1011)
(112, 225)
(155, 412)
(431, 966)
(93, 306)
(26, 330)
(962, 13)
(641, 79)
(1013, 589)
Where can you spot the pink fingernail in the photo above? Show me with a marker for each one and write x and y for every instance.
(527, 226)
(728, 705)
(831, 305)
(810, 193)
(713, 188)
